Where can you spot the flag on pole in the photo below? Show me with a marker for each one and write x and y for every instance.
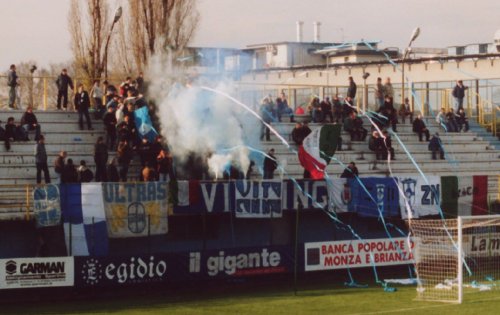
(317, 149)
(144, 124)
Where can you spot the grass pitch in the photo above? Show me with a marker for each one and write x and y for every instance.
(265, 300)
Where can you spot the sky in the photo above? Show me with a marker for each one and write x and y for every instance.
(38, 29)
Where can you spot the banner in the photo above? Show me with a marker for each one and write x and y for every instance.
(258, 199)
(310, 194)
(241, 262)
(36, 272)
(375, 196)
(136, 209)
(47, 205)
(204, 197)
(85, 227)
(464, 195)
(356, 253)
(136, 269)
(340, 192)
(421, 196)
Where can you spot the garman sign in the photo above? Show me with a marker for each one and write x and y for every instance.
(36, 272)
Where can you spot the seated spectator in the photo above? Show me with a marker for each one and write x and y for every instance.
(69, 174)
(270, 165)
(283, 108)
(441, 119)
(420, 128)
(337, 108)
(376, 144)
(165, 165)
(149, 173)
(435, 146)
(354, 126)
(13, 132)
(300, 111)
(347, 108)
(112, 172)
(85, 175)
(451, 122)
(387, 145)
(326, 108)
(351, 171)
(29, 122)
(405, 110)
(110, 123)
(463, 122)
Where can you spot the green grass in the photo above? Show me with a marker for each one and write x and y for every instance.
(371, 300)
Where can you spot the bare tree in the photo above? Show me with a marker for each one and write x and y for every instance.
(159, 25)
(88, 34)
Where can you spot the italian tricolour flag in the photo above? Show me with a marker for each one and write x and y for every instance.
(464, 195)
(317, 149)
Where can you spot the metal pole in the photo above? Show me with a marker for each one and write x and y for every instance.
(295, 265)
(44, 93)
(459, 258)
(403, 79)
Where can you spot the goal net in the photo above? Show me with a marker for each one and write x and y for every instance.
(457, 257)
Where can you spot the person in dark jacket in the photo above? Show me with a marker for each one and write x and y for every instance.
(337, 108)
(82, 104)
(459, 94)
(405, 110)
(100, 159)
(148, 173)
(462, 120)
(351, 90)
(351, 171)
(63, 82)
(112, 172)
(12, 82)
(85, 175)
(354, 126)
(145, 152)
(435, 146)
(267, 114)
(69, 173)
(376, 144)
(59, 163)
(29, 122)
(420, 128)
(270, 165)
(451, 121)
(298, 134)
(124, 155)
(327, 109)
(165, 165)
(41, 161)
(110, 121)
(387, 145)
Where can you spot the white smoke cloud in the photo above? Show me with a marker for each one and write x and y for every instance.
(197, 120)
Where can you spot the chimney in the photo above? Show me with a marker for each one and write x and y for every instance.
(317, 26)
(299, 31)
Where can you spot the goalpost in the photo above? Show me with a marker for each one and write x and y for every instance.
(456, 257)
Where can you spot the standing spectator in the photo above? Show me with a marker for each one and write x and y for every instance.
(41, 161)
(462, 120)
(459, 94)
(82, 104)
(351, 90)
(389, 112)
(337, 108)
(451, 122)
(29, 122)
(149, 173)
(326, 108)
(110, 91)
(125, 86)
(69, 173)
(436, 146)
(113, 103)
(441, 119)
(283, 108)
(376, 144)
(112, 172)
(388, 89)
(97, 95)
(298, 134)
(109, 120)
(387, 142)
(59, 164)
(351, 171)
(63, 82)
(420, 128)
(165, 165)
(119, 113)
(100, 159)
(317, 112)
(85, 175)
(141, 88)
(379, 92)
(266, 112)
(12, 82)
(124, 155)
(145, 152)
(405, 110)
(270, 165)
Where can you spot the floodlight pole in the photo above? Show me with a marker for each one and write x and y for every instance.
(118, 15)
(414, 36)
